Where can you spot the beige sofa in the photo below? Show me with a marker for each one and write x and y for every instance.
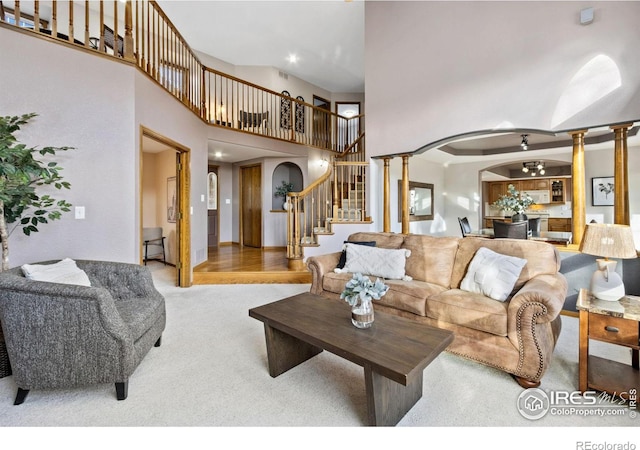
(517, 336)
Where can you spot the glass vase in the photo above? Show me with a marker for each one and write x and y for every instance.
(362, 313)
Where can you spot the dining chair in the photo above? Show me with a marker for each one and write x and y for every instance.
(464, 226)
(534, 226)
(518, 230)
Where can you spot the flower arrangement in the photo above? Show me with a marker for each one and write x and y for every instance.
(360, 286)
(514, 201)
(283, 189)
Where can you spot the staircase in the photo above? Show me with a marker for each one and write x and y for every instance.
(338, 196)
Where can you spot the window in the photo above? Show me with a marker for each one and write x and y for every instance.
(26, 20)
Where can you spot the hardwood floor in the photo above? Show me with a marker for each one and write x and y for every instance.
(233, 264)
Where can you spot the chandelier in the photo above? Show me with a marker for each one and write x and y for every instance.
(534, 167)
(525, 141)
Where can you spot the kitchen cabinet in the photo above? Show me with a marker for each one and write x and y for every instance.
(559, 189)
(496, 189)
(560, 224)
(535, 184)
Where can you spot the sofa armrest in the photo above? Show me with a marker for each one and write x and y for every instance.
(547, 291)
(533, 323)
(319, 265)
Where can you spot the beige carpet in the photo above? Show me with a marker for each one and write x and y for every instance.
(211, 372)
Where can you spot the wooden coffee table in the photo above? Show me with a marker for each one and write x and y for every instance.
(393, 352)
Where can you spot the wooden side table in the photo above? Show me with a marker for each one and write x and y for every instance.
(615, 323)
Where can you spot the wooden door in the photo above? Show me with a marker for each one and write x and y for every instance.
(321, 122)
(212, 207)
(251, 206)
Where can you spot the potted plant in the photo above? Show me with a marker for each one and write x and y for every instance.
(282, 191)
(516, 202)
(20, 175)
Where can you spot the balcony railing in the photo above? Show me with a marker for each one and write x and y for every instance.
(140, 32)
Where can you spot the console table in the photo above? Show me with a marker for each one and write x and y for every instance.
(615, 323)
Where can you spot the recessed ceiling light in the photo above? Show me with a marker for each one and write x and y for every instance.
(293, 58)
(218, 154)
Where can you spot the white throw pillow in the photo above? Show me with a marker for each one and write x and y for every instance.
(376, 261)
(492, 274)
(65, 272)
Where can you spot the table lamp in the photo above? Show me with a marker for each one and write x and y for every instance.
(609, 241)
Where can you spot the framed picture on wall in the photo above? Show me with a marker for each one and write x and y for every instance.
(172, 203)
(602, 191)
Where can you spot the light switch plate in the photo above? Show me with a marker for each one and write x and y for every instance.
(79, 212)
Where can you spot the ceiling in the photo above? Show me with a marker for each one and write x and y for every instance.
(326, 36)
(328, 39)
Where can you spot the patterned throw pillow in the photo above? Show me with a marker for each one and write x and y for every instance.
(492, 274)
(343, 255)
(377, 262)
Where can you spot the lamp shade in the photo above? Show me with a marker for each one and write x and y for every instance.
(608, 240)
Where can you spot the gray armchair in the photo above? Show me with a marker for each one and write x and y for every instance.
(62, 335)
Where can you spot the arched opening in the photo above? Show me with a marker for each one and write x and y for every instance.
(287, 175)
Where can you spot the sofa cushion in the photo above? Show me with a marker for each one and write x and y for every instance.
(407, 296)
(542, 257)
(492, 274)
(383, 240)
(343, 256)
(139, 314)
(431, 257)
(377, 262)
(410, 296)
(65, 272)
(470, 310)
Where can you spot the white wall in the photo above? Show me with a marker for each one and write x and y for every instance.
(97, 110)
(91, 110)
(437, 69)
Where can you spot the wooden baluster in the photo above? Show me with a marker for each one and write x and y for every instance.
(86, 24)
(54, 18)
(2, 13)
(115, 29)
(102, 46)
(146, 50)
(137, 23)
(203, 95)
(16, 12)
(36, 16)
(70, 35)
(128, 32)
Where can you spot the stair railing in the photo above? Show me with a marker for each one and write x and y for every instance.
(309, 213)
(336, 196)
(349, 194)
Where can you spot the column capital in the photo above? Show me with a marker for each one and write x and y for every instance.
(621, 126)
(576, 132)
